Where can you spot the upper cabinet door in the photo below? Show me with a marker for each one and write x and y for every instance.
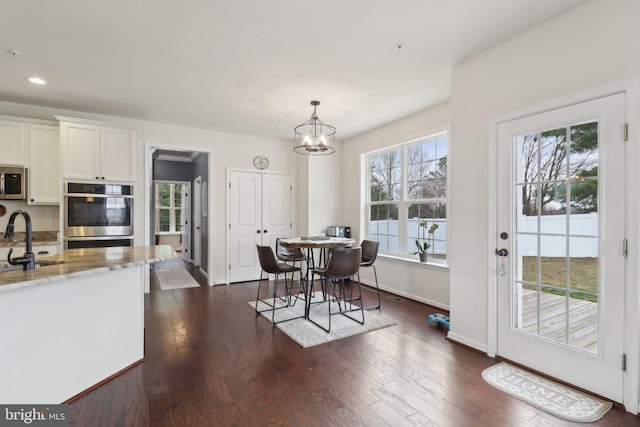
(80, 151)
(12, 142)
(44, 165)
(117, 154)
(96, 151)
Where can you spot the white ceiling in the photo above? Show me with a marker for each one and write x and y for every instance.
(251, 66)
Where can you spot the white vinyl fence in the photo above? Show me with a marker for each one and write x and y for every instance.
(582, 229)
(387, 234)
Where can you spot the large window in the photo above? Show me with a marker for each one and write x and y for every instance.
(169, 207)
(407, 195)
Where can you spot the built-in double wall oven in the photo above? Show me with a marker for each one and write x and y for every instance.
(98, 215)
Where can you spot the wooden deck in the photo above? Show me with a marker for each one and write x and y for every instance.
(583, 319)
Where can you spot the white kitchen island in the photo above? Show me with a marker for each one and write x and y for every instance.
(67, 327)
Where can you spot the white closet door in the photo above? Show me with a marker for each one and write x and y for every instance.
(276, 208)
(259, 212)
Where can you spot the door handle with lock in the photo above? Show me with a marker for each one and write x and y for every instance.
(502, 253)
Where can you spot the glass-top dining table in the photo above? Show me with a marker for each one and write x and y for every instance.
(324, 245)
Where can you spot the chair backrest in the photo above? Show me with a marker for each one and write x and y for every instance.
(369, 251)
(267, 259)
(287, 254)
(344, 262)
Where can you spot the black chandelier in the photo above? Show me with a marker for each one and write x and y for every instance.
(314, 137)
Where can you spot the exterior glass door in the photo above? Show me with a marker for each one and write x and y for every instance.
(561, 278)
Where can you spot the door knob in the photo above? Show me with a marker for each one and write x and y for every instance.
(502, 252)
(258, 231)
(264, 231)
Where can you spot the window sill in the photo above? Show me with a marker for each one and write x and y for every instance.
(414, 262)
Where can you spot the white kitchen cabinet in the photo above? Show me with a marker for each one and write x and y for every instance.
(97, 151)
(44, 165)
(117, 153)
(13, 141)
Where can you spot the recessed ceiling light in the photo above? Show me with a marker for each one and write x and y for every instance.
(37, 80)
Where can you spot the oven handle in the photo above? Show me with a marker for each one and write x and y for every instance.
(85, 238)
(104, 196)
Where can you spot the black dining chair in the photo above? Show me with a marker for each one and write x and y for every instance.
(293, 256)
(270, 265)
(289, 255)
(343, 264)
(369, 255)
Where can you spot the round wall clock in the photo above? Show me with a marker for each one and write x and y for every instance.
(260, 162)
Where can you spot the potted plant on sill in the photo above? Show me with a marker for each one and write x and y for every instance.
(424, 247)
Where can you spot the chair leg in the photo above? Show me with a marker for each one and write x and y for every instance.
(357, 307)
(271, 302)
(275, 294)
(290, 291)
(376, 291)
(329, 285)
(336, 293)
(258, 295)
(325, 282)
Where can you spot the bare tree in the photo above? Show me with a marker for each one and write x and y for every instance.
(552, 160)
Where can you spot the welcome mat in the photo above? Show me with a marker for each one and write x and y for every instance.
(307, 334)
(556, 399)
(177, 278)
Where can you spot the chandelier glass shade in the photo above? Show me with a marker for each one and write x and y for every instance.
(314, 137)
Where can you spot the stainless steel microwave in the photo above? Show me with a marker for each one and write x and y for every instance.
(338, 231)
(13, 183)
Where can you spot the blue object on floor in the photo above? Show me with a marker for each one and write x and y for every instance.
(441, 319)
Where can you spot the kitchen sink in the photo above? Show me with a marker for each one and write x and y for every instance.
(44, 263)
(9, 267)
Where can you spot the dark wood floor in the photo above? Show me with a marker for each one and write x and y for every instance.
(211, 362)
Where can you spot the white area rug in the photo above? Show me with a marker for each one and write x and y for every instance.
(177, 278)
(307, 334)
(556, 399)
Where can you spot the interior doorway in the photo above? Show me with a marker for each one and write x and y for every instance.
(179, 165)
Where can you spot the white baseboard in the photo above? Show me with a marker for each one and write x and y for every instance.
(467, 341)
(437, 304)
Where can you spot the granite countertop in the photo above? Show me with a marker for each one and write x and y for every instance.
(38, 237)
(83, 262)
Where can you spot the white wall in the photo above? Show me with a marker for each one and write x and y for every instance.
(589, 51)
(324, 184)
(410, 278)
(227, 151)
(43, 218)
